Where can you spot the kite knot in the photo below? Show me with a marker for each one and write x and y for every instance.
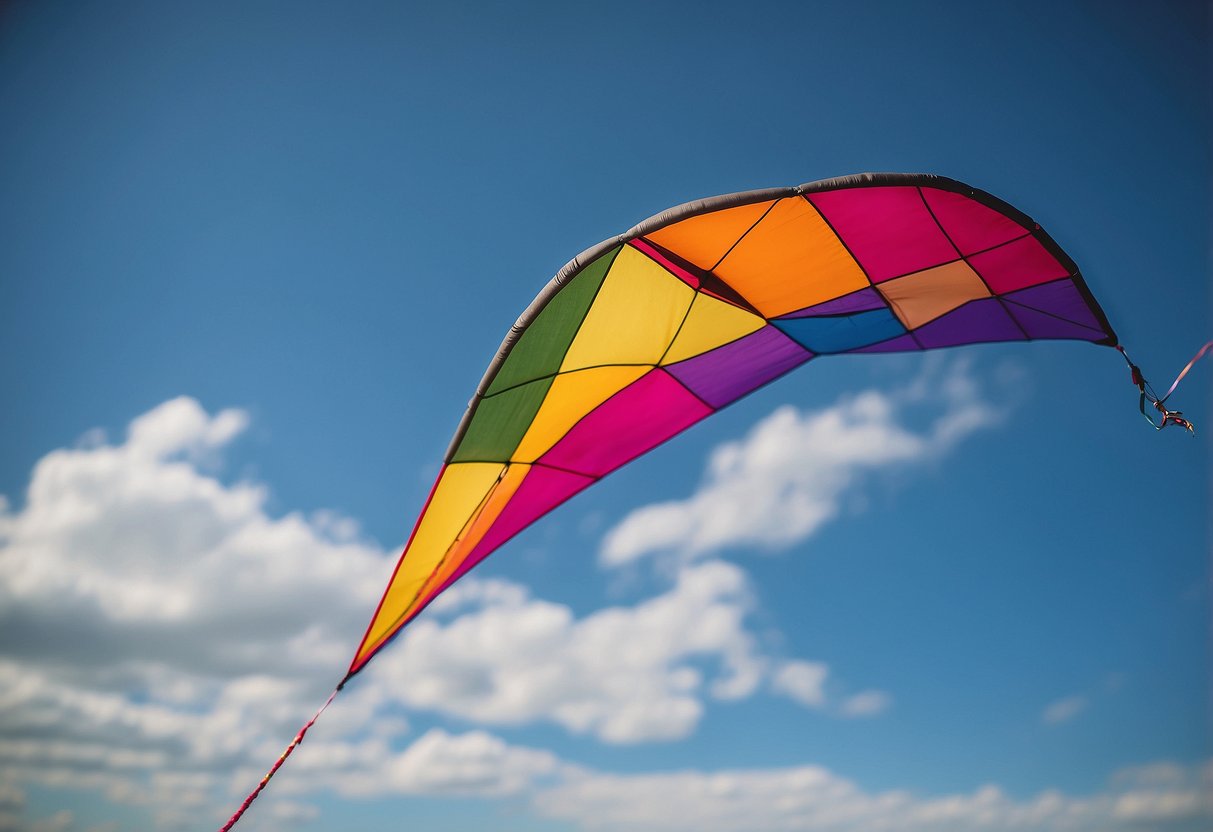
(1159, 403)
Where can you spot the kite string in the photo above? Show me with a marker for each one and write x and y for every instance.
(1169, 417)
(248, 801)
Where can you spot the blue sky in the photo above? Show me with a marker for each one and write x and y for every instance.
(254, 259)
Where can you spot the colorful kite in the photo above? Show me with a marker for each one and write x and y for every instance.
(644, 335)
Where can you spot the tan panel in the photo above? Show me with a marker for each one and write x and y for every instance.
(791, 260)
(634, 318)
(571, 396)
(704, 239)
(457, 496)
(710, 324)
(924, 296)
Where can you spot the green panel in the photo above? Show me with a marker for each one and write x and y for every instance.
(542, 345)
(500, 422)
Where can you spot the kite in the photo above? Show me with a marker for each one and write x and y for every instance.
(642, 336)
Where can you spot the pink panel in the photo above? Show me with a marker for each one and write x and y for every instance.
(971, 225)
(1017, 265)
(541, 491)
(889, 230)
(637, 418)
(640, 244)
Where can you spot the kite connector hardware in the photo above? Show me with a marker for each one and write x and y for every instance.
(1147, 394)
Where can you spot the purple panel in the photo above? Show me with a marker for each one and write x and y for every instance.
(971, 225)
(637, 418)
(541, 491)
(1017, 265)
(1060, 298)
(729, 372)
(975, 322)
(902, 343)
(1043, 325)
(860, 301)
(889, 230)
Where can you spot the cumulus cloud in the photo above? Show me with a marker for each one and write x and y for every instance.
(160, 642)
(622, 674)
(785, 479)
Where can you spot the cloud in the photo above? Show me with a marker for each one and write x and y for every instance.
(787, 477)
(815, 799)
(622, 674)
(162, 637)
(866, 703)
(1063, 710)
(158, 626)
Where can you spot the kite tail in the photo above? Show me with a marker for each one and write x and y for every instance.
(248, 801)
(1169, 417)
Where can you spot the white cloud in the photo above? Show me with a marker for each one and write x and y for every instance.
(784, 480)
(803, 682)
(814, 799)
(623, 674)
(162, 637)
(1063, 710)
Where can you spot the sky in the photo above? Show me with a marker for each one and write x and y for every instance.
(254, 259)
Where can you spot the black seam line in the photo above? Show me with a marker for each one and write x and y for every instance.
(498, 360)
(793, 317)
(698, 398)
(770, 208)
(680, 261)
(955, 247)
(1002, 305)
(843, 242)
(685, 316)
(964, 258)
(476, 511)
(766, 323)
(593, 478)
(1055, 316)
(565, 373)
(576, 332)
(938, 224)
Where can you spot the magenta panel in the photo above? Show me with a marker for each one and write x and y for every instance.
(1017, 265)
(637, 418)
(889, 230)
(640, 244)
(541, 491)
(971, 225)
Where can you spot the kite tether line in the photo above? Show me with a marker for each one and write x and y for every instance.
(1147, 394)
(248, 801)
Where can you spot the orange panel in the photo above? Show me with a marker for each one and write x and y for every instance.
(791, 260)
(704, 239)
(476, 528)
(924, 296)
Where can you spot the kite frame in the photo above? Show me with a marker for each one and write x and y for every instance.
(717, 203)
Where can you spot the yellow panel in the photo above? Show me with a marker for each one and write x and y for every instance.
(635, 316)
(924, 296)
(459, 494)
(479, 525)
(572, 396)
(791, 260)
(710, 324)
(704, 239)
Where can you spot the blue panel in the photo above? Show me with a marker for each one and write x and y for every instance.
(840, 333)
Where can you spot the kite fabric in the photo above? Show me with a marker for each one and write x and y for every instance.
(646, 334)
(643, 335)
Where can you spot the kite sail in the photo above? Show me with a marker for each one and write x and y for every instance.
(646, 334)
(640, 337)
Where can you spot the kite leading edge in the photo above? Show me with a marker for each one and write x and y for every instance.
(651, 331)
